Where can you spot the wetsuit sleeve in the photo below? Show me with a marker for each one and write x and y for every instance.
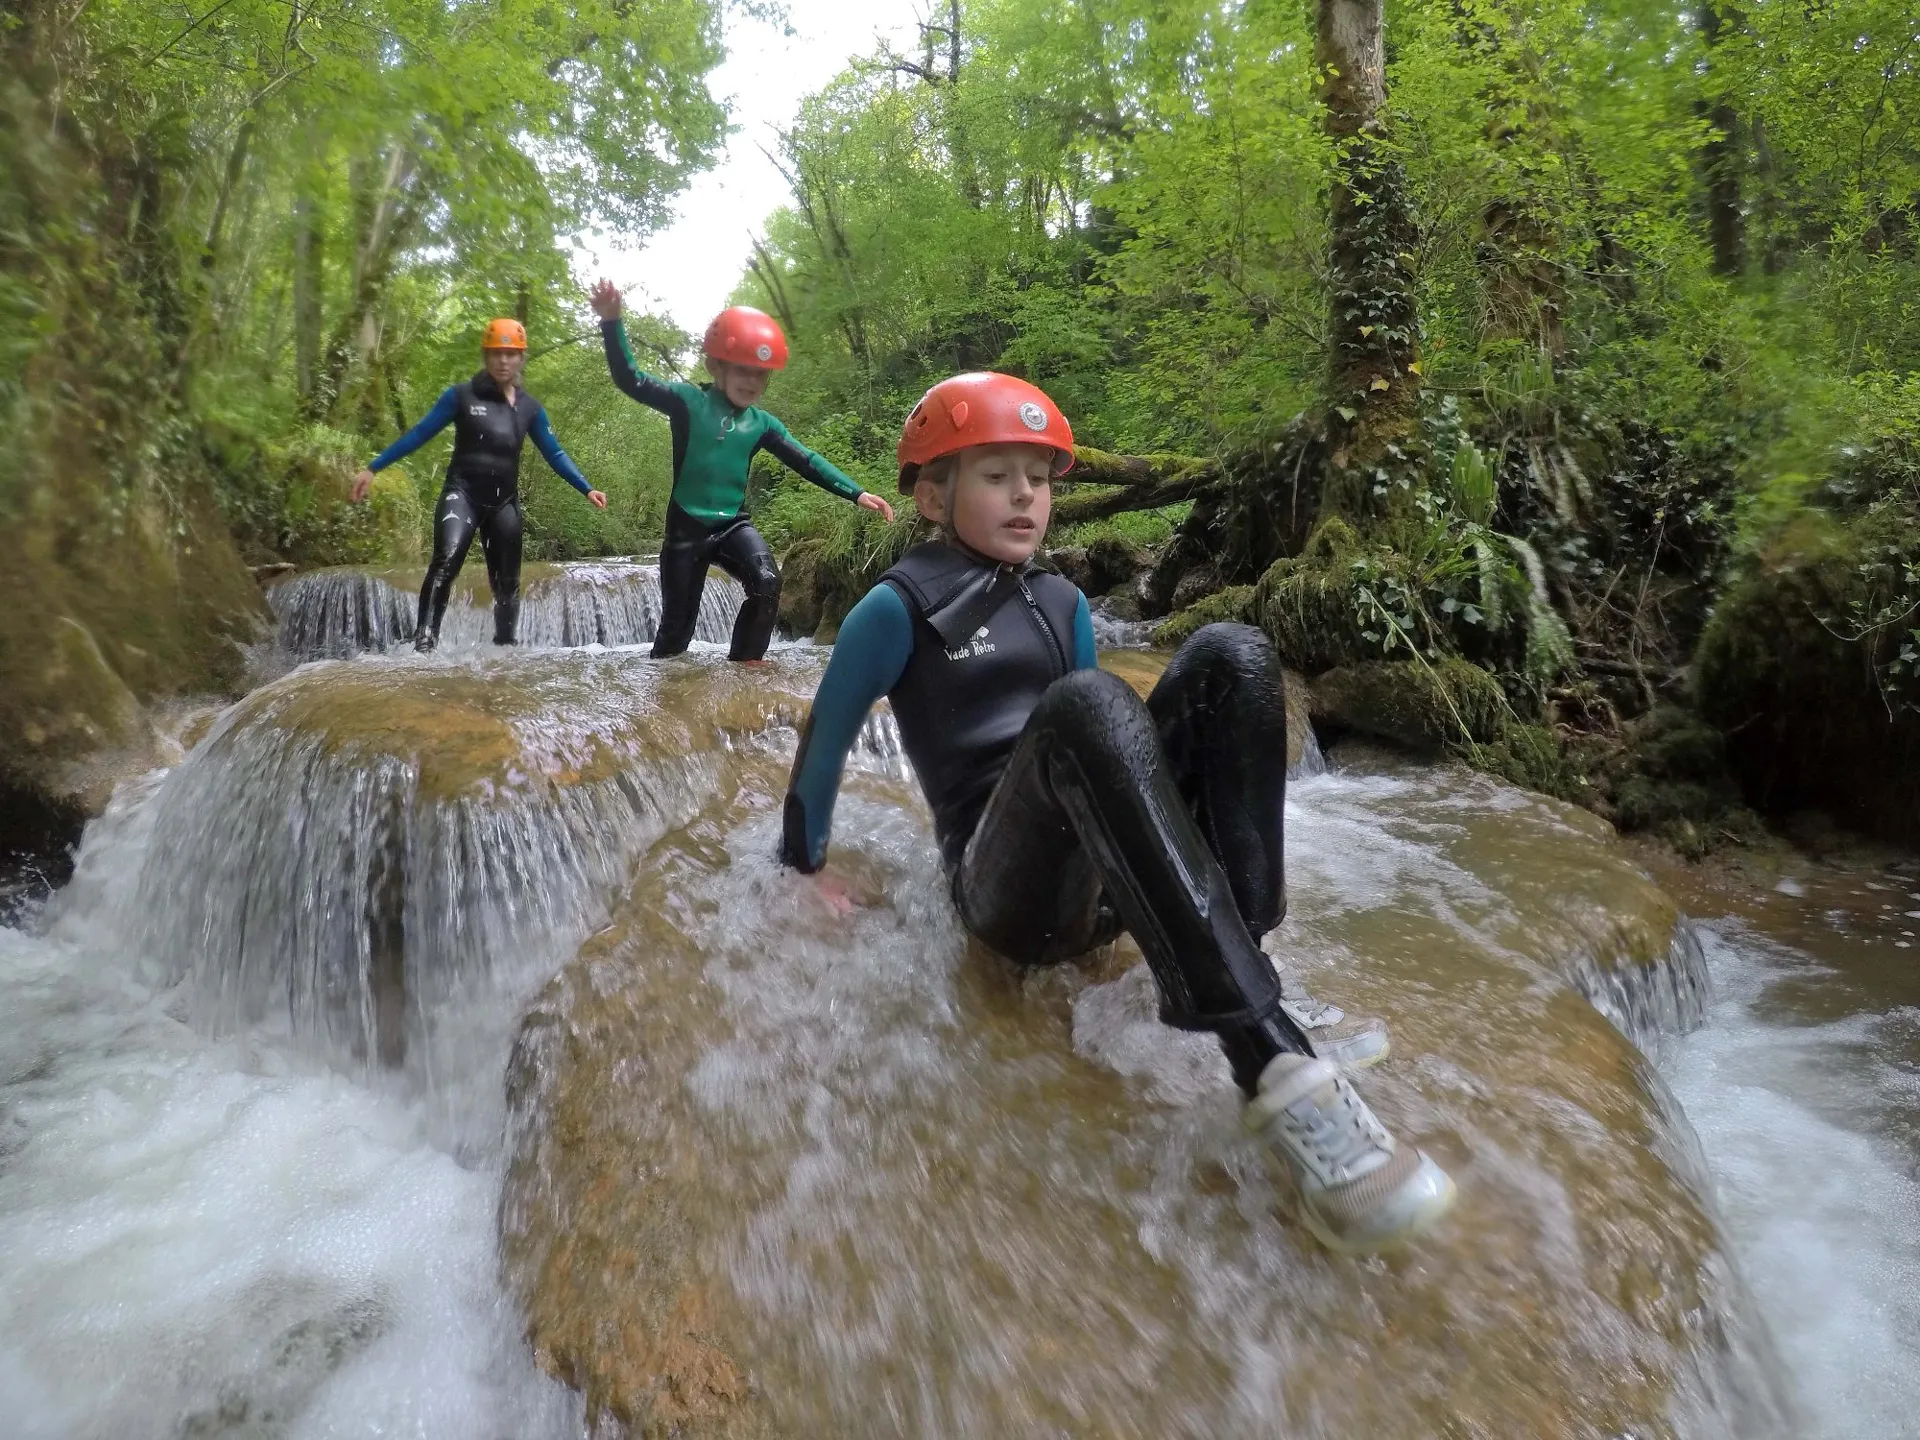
(807, 465)
(869, 657)
(657, 394)
(1085, 657)
(561, 462)
(431, 424)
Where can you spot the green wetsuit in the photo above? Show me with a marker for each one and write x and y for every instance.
(714, 443)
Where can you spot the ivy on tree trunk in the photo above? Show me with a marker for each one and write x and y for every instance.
(1373, 381)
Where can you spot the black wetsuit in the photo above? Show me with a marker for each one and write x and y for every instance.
(482, 494)
(1066, 808)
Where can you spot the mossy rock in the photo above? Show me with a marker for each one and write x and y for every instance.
(1235, 603)
(1533, 756)
(1111, 561)
(1806, 724)
(800, 587)
(1420, 706)
(1306, 604)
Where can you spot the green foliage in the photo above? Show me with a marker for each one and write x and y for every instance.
(318, 207)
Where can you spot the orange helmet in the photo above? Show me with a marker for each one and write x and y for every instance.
(742, 335)
(504, 335)
(984, 408)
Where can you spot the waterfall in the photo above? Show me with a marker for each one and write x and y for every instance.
(333, 614)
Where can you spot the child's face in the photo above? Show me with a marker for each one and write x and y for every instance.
(743, 385)
(1002, 497)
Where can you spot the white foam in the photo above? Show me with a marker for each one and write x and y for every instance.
(1822, 1212)
(218, 1238)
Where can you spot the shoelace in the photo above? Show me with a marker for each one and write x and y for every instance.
(1306, 1010)
(1339, 1136)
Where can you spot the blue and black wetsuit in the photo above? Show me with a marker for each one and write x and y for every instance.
(1066, 808)
(482, 493)
(714, 442)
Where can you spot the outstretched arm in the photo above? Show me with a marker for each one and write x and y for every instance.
(435, 420)
(807, 465)
(869, 657)
(562, 463)
(431, 424)
(820, 470)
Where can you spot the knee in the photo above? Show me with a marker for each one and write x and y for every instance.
(1236, 646)
(1095, 709)
(762, 580)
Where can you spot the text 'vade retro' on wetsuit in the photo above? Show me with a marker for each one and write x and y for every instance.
(482, 492)
(1064, 807)
(714, 443)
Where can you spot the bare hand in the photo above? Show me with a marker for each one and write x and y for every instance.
(362, 483)
(870, 501)
(833, 890)
(599, 499)
(605, 299)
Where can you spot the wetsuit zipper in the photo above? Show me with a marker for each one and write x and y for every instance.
(1039, 619)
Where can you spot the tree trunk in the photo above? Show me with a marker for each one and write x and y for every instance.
(1721, 162)
(229, 181)
(388, 218)
(309, 276)
(1373, 331)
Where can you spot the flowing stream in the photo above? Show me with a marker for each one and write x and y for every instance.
(428, 1003)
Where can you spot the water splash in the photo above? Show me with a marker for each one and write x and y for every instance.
(1651, 1002)
(1110, 632)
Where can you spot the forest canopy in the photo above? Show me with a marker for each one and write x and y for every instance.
(1559, 339)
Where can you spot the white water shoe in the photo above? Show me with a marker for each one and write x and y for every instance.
(1360, 1189)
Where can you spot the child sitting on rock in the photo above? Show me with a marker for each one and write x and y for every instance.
(1065, 808)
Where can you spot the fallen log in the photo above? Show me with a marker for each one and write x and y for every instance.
(1128, 482)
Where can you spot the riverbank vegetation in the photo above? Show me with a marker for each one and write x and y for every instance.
(1542, 377)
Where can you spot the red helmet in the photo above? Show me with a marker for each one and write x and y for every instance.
(984, 408)
(742, 335)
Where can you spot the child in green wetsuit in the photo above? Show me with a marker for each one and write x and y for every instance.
(717, 430)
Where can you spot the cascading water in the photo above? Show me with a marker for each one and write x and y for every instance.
(331, 614)
(773, 1171)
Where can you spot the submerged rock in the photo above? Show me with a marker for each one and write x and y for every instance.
(779, 1173)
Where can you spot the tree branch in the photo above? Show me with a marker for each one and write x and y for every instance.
(1130, 482)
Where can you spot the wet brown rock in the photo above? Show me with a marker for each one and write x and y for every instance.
(778, 1173)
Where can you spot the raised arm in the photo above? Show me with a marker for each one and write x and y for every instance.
(657, 394)
(562, 463)
(869, 657)
(431, 424)
(807, 465)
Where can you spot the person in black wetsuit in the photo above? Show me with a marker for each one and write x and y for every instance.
(492, 416)
(717, 430)
(1065, 808)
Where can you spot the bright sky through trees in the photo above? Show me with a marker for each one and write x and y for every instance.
(688, 270)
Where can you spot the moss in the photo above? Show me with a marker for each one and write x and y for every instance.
(800, 587)
(823, 576)
(1306, 603)
(1235, 603)
(1532, 756)
(1806, 725)
(1422, 707)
